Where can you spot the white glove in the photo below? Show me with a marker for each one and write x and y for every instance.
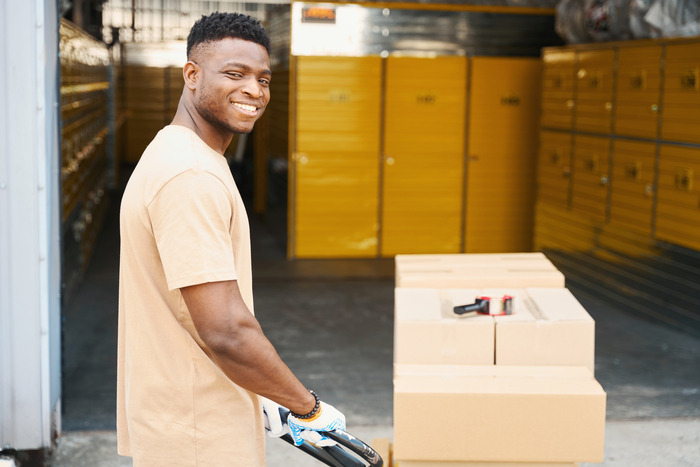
(273, 420)
(328, 418)
(314, 437)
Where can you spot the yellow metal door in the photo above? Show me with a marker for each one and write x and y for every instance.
(632, 190)
(558, 89)
(554, 169)
(423, 159)
(681, 109)
(337, 156)
(590, 176)
(503, 108)
(594, 91)
(678, 200)
(638, 89)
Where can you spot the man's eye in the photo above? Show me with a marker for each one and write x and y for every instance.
(234, 75)
(265, 82)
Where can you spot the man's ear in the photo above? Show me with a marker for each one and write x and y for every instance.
(191, 72)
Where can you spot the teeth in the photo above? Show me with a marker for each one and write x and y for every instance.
(250, 108)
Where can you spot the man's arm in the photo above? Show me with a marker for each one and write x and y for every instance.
(239, 346)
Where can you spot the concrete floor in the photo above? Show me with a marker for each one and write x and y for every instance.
(649, 371)
(650, 443)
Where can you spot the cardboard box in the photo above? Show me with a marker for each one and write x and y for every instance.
(497, 414)
(478, 258)
(480, 278)
(550, 327)
(484, 464)
(519, 261)
(426, 330)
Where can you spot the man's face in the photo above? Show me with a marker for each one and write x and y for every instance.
(234, 88)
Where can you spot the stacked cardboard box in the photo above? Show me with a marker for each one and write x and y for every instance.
(483, 391)
(477, 271)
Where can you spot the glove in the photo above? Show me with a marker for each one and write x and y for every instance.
(328, 418)
(314, 437)
(273, 419)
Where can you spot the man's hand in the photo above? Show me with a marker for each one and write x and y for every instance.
(328, 418)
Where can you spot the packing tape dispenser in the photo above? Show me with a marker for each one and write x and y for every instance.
(494, 306)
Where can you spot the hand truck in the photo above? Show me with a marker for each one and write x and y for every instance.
(349, 452)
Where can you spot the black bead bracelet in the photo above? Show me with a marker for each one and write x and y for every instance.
(313, 412)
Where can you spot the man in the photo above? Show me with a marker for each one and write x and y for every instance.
(192, 357)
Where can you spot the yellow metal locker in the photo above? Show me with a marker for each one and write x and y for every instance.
(503, 108)
(590, 176)
(681, 108)
(632, 190)
(336, 161)
(594, 90)
(558, 89)
(678, 200)
(423, 158)
(554, 169)
(638, 89)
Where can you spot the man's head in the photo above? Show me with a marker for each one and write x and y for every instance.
(228, 70)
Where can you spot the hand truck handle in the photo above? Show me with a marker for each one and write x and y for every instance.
(357, 446)
(334, 456)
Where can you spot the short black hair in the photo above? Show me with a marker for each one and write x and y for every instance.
(218, 26)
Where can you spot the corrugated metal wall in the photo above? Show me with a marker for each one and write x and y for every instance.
(618, 206)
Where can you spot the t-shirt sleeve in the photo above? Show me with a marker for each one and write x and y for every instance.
(191, 219)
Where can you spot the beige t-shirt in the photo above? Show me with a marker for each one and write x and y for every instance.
(182, 223)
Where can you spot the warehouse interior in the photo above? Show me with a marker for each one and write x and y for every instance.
(480, 127)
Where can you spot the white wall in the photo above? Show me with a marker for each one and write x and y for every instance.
(29, 223)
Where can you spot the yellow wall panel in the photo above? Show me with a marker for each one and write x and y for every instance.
(504, 104)
(638, 91)
(678, 199)
(590, 176)
(554, 169)
(681, 109)
(423, 155)
(558, 89)
(632, 190)
(594, 91)
(337, 156)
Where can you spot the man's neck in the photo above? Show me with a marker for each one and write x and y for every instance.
(188, 117)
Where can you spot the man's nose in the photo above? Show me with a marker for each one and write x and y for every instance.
(252, 88)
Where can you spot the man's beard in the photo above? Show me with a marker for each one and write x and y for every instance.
(204, 109)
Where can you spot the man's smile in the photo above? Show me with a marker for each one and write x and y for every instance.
(246, 109)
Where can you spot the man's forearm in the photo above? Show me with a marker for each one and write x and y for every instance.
(239, 347)
(249, 360)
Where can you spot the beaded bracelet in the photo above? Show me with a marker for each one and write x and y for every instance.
(313, 412)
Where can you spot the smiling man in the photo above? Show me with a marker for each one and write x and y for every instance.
(192, 359)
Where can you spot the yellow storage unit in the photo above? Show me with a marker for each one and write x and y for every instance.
(423, 158)
(632, 190)
(554, 168)
(590, 179)
(502, 154)
(681, 108)
(174, 84)
(336, 163)
(594, 90)
(638, 91)
(558, 89)
(145, 99)
(678, 199)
